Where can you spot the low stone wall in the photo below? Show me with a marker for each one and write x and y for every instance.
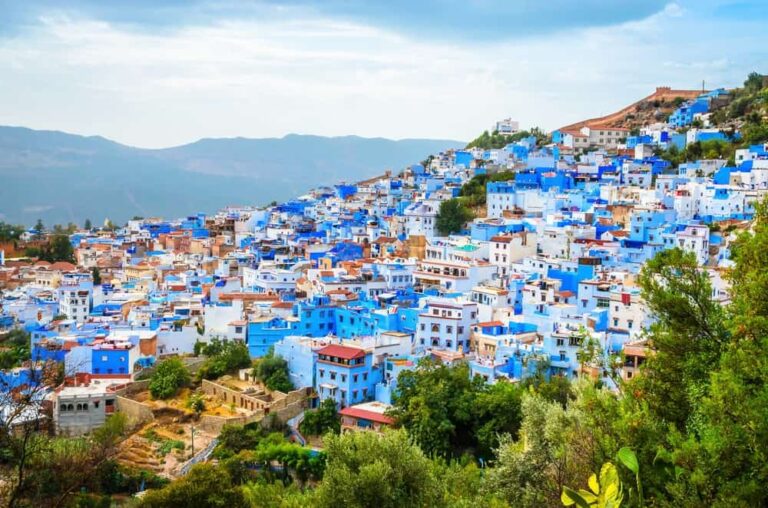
(284, 406)
(132, 388)
(214, 424)
(136, 412)
(291, 410)
(249, 402)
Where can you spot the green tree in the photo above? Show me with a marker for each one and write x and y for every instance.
(755, 133)
(96, 275)
(10, 232)
(721, 460)
(235, 438)
(497, 411)
(753, 83)
(551, 388)
(688, 336)
(273, 372)
(14, 349)
(435, 405)
(205, 486)
(39, 229)
(224, 357)
(452, 217)
(365, 469)
(87, 225)
(526, 472)
(169, 377)
(59, 248)
(322, 420)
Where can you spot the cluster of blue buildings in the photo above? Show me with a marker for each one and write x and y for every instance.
(354, 283)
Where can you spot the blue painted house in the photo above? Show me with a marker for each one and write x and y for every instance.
(345, 374)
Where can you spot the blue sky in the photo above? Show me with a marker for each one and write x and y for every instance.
(160, 73)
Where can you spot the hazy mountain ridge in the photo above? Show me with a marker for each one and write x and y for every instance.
(62, 177)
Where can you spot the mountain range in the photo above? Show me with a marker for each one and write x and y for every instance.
(60, 177)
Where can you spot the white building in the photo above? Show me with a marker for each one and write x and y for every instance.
(507, 126)
(454, 276)
(509, 248)
(75, 302)
(445, 324)
(421, 217)
(78, 410)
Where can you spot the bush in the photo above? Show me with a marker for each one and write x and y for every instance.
(170, 376)
(324, 419)
(452, 217)
(273, 372)
(223, 358)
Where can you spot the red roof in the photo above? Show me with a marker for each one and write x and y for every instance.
(368, 415)
(63, 266)
(345, 352)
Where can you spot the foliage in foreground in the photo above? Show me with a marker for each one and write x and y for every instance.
(323, 419)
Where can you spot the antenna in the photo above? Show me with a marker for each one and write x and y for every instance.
(702, 86)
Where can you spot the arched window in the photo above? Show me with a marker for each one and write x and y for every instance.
(435, 327)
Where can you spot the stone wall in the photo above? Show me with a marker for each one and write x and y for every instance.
(283, 405)
(249, 402)
(136, 412)
(132, 388)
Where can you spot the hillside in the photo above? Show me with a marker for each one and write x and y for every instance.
(62, 177)
(655, 107)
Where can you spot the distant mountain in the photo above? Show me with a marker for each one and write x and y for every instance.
(61, 177)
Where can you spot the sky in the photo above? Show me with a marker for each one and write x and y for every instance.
(163, 73)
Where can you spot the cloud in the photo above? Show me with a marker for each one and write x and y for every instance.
(470, 20)
(311, 69)
(37, 209)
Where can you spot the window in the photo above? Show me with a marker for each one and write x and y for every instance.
(322, 372)
(365, 376)
(333, 376)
